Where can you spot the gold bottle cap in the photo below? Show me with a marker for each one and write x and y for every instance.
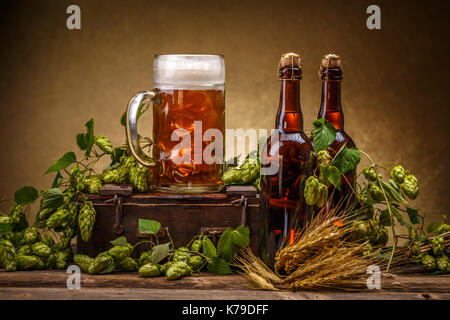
(293, 61)
(331, 61)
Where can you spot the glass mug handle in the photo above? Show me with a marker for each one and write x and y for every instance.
(131, 126)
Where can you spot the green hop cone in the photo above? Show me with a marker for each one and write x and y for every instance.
(7, 255)
(16, 214)
(428, 262)
(415, 249)
(122, 175)
(139, 178)
(323, 158)
(196, 262)
(166, 267)
(5, 220)
(127, 161)
(370, 174)
(64, 242)
(323, 195)
(100, 263)
(111, 176)
(181, 255)
(366, 205)
(174, 273)
(57, 219)
(149, 270)
(119, 252)
(232, 176)
(249, 171)
(359, 231)
(40, 249)
(83, 261)
(86, 220)
(25, 250)
(184, 267)
(30, 262)
(50, 262)
(127, 264)
(94, 184)
(398, 174)
(61, 259)
(43, 214)
(196, 245)
(410, 186)
(145, 258)
(383, 237)
(104, 144)
(438, 245)
(368, 250)
(442, 263)
(311, 192)
(31, 235)
(443, 228)
(376, 193)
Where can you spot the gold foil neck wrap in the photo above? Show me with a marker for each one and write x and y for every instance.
(331, 61)
(289, 59)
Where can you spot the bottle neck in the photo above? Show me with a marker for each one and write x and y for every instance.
(330, 106)
(289, 116)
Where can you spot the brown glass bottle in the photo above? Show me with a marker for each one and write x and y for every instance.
(331, 110)
(282, 192)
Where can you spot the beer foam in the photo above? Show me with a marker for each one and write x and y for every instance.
(186, 70)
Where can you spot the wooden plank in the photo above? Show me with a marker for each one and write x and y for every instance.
(186, 294)
(110, 189)
(247, 191)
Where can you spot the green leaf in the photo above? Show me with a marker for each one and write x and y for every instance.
(57, 181)
(241, 237)
(399, 217)
(414, 216)
(53, 198)
(66, 160)
(420, 237)
(108, 269)
(332, 175)
(5, 228)
(385, 218)
(120, 241)
(90, 138)
(433, 227)
(159, 252)
(147, 226)
(219, 266)
(323, 134)
(393, 191)
(122, 119)
(208, 248)
(346, 159)
(231, 238)
(407, 242)
(26, 195)
(116, 155)
(82, 141)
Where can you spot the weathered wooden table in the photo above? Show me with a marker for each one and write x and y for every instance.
(52, 285)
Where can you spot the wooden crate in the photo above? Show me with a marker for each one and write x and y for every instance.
(118, 212)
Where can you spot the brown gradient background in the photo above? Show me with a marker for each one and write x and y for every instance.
(395, 91)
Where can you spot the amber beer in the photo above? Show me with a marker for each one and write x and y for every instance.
(330, 73)
(188, 102)
(282, 192)
(180, 109)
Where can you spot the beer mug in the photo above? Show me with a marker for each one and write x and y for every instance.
(188, 109)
